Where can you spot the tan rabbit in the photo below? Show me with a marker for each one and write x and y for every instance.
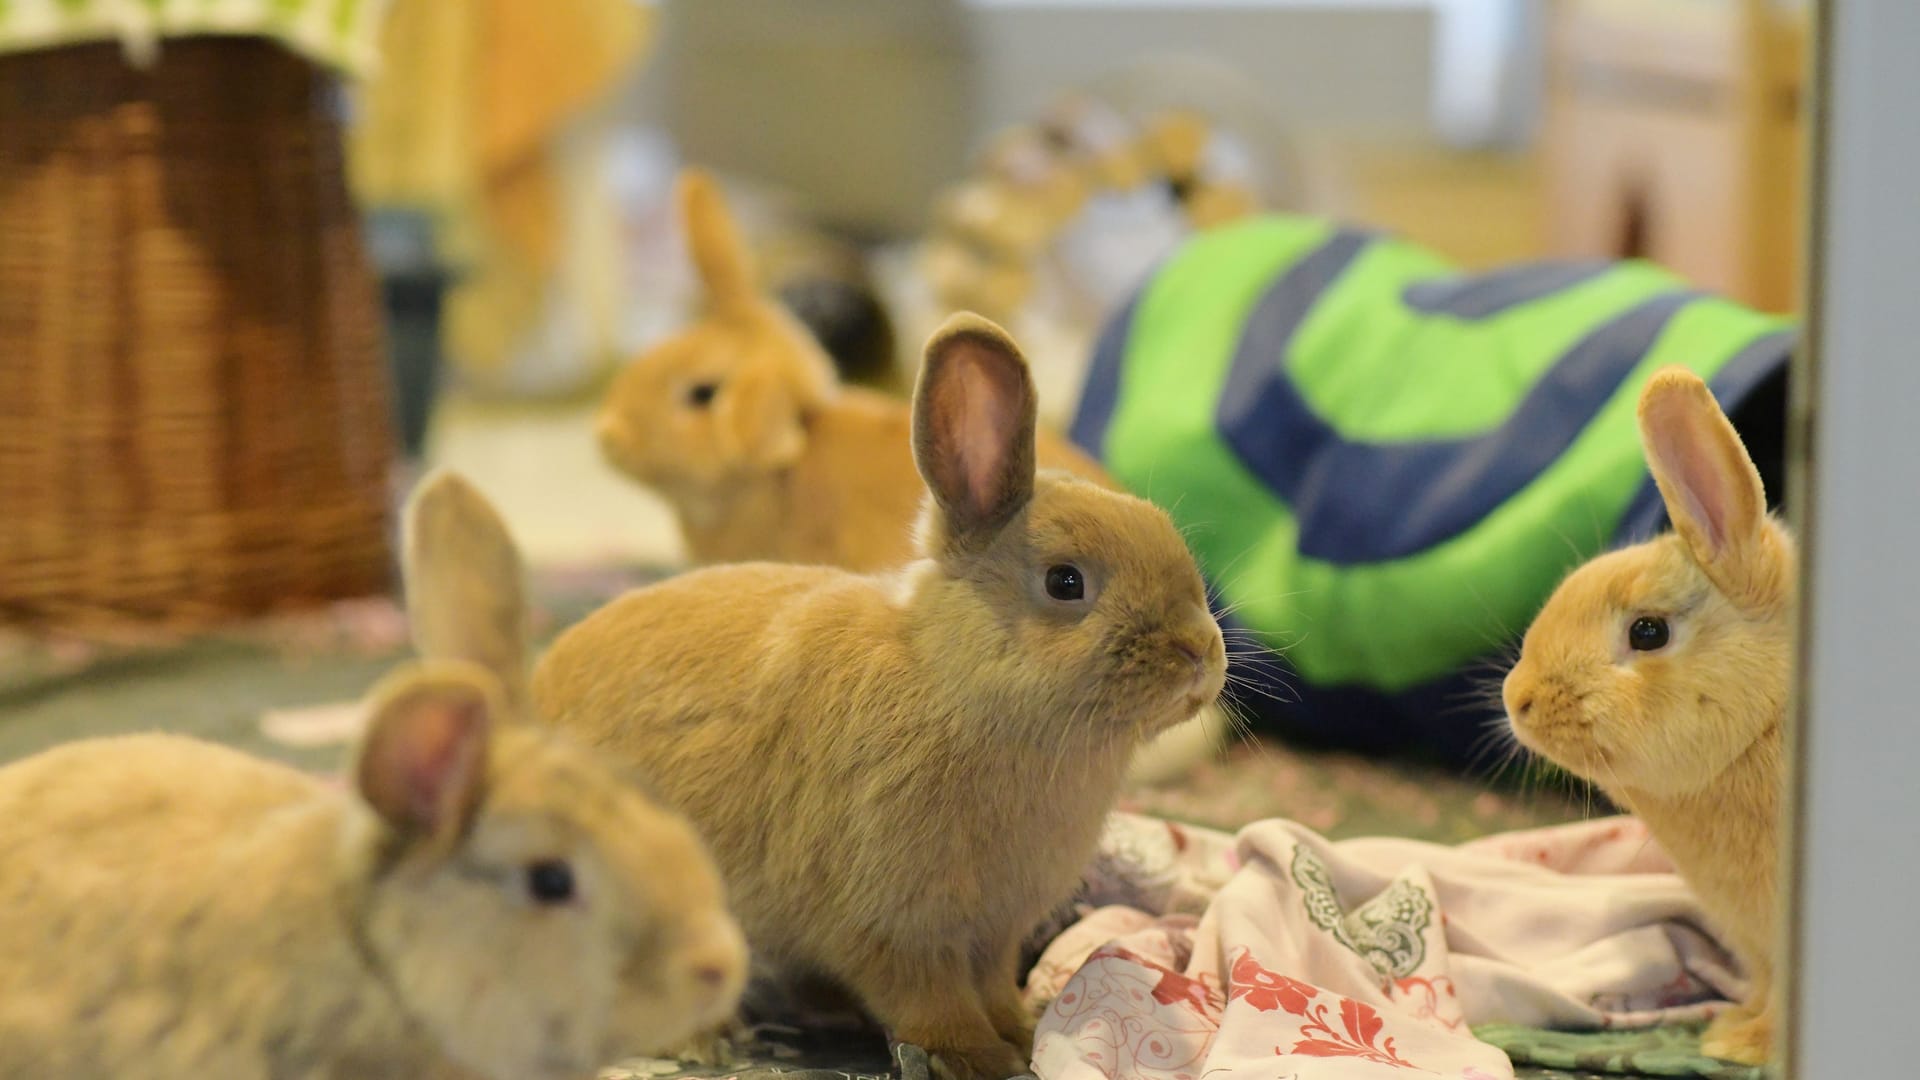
(900, 774)
(1660, 672)
(485, 900)
(740, 424)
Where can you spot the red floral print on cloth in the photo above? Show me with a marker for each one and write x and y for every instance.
(1360, 1023)
(1165, 992)
(1267, 990)
(1132, 1017)
(1433, 999)
(1175, 989)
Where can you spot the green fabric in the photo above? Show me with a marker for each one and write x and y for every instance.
(1379, 371)
(341, 34)
(1481, 388)
(1661, 1051)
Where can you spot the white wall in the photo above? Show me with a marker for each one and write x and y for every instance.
(1858, 841)
(1349, 65)
(777, 89)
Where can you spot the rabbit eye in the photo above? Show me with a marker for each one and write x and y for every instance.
(1648, 633)
(1064, 582)
(550, 881)
(700, 395)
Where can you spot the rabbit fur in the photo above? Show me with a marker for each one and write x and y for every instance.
(1686, 735)
(175, 908)
(741, 425)
(901, 773)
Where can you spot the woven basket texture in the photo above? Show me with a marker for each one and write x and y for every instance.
(194, 419)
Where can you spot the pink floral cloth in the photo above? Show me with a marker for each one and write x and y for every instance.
(1278, 953)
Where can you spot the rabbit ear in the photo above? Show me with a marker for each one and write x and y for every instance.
(973, 421)
(1710, 485)
(422, 762)
(466, 588)
(714, 240)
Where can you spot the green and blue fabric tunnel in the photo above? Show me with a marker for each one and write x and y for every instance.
(1384, 466)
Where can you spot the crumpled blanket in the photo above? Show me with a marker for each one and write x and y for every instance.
(1281, 952)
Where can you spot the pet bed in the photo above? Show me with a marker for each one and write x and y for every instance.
(1384, 466)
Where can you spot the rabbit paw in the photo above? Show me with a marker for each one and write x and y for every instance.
(719, 1048)
(995, 1062)
(1012, 1022)
(1739, 1035)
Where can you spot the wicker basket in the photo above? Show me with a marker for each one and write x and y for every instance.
(194, 421)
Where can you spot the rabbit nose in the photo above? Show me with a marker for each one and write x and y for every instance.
(1523, 704)
(711, 976)
(1196, 656)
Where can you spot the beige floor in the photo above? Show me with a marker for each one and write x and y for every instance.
(563, 503)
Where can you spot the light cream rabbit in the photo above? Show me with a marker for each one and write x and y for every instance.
(484, 900)
(1660, 672)
(900, 774)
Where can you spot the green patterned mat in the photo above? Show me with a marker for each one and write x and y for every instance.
(777, 1052)
(1590, 1055)
(788, 1053)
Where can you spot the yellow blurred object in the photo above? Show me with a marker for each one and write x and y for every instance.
(464, 120)
(1675, 132)
(1176, 142)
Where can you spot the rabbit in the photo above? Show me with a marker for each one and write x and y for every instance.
(740, 424)
(481, 899)
(467, 602)
(902, 773)
(485, 899)
(1660, 673)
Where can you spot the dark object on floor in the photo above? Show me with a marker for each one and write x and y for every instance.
(849, 321)
(797, 1054)
(413, 284)
(194, 420)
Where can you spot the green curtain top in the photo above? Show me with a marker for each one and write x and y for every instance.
(338, 34)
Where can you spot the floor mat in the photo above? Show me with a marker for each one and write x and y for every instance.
(791, 1053)
(1343, 795)
(794, 1052)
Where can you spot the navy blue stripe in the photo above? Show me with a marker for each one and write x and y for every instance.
(1417, 493)
(1482, 296)
(1646, 515)
(1100, 395)
(1260, 415)
(1443, 721)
